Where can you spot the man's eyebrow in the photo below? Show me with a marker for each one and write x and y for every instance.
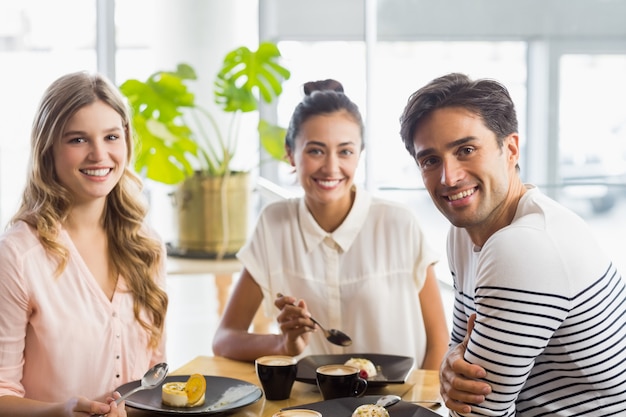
(451, 145)
(424, 153)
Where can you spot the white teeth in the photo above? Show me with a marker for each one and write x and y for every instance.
(460, 195)
(331, 183)
(96, 172)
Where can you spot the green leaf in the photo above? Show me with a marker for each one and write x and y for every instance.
(273, 139)
(233, 98)
(168, 148)
(163, 150)
(246, 75)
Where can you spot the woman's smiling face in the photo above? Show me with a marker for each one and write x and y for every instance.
(326, 156)
(90, 156)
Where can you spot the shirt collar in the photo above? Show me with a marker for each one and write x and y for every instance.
(345, 234)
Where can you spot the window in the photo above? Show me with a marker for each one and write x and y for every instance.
(400, 69)
(135, 26)
(592, 143)
(34, 50)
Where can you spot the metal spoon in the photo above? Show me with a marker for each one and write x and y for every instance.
(334, 336)
(388, 400)
(151, 379)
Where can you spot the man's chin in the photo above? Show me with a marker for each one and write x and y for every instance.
(454, 218)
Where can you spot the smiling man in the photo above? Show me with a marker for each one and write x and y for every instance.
(539, 307)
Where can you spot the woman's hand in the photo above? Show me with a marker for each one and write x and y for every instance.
(295, 323)
(82, 407)
(116, 410)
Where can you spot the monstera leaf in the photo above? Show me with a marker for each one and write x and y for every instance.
(164, 143)
(175, 136)
(246, 74)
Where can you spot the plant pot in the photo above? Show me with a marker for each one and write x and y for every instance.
(212, 215)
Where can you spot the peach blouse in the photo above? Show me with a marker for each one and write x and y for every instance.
(62, 337)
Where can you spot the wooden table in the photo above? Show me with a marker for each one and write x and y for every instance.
(421, 385)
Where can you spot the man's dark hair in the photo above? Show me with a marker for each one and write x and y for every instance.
(487, 98)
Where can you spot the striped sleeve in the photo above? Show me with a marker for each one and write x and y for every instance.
(546, 353)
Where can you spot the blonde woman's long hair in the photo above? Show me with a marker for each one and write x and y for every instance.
(46, 203)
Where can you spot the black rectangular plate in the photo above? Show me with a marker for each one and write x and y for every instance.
(391, 369)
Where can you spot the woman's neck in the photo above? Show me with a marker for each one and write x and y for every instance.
(85, 217)
(330, 216)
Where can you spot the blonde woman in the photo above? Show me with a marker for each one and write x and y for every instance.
(82, 309)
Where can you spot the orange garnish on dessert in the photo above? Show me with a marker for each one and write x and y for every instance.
(195, 388)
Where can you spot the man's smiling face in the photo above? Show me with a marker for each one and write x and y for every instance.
(466, 172)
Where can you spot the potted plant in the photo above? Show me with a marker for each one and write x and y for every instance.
(180, 142)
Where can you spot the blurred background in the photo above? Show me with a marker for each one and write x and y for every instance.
(564, 63)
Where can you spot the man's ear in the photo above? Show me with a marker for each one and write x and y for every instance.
(511, 143)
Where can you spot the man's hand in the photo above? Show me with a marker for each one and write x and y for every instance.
(459, 379)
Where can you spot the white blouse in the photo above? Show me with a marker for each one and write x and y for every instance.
(363, 279)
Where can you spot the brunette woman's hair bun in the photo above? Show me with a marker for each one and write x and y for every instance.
(321, 97)
(322, 85)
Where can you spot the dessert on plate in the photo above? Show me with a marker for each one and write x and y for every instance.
(370, 410)
(184, 394)
(364, 365)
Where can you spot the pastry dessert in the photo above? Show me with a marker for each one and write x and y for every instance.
(363, 364)
(184, 394)
(370, 410)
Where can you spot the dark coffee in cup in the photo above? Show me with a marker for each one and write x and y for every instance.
(277, 375)
(337, 381)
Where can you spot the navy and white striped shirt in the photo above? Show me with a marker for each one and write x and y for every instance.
(550, 315)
